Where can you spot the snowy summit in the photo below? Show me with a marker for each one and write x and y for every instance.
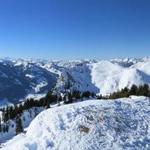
(89, 125)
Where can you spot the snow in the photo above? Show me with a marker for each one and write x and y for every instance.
(143, 66)
(40, 85)
(29, 76)
(89, 125)
(99, 76)
(20, 62)
(104, 76)
(35, 96)
(109, 77)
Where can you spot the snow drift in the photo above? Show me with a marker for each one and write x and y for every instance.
(89, 125)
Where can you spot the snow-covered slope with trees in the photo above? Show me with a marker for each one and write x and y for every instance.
(109, 77)
(22, 78)
(26, 118)
(89, 125)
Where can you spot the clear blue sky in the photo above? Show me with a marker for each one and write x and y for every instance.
(70, 29)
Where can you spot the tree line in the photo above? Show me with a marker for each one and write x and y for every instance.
(142, 90)
(15, 111)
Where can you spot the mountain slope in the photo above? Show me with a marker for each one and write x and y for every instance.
(20, 78)
(17, 80)
(89, 125)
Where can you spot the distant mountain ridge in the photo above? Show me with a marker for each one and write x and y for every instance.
(20, 78)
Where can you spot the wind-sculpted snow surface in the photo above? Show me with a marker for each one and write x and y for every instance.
(89, 125)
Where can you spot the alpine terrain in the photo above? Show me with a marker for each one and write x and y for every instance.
(21, 79)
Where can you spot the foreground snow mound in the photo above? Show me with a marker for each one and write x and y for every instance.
(89, 125)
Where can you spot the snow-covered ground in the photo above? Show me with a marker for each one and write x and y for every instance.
(89, 125)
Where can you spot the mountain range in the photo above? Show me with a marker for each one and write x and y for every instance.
(20, 79)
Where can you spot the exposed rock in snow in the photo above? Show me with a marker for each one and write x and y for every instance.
(89, 125)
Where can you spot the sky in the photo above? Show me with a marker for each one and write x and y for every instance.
(74, 29)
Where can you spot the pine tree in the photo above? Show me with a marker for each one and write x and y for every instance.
(76, 94)
(86, 94)
(19, 127)
(145, 91)
(7, 127)
(133, 90)
(47, 104)
(4, 128)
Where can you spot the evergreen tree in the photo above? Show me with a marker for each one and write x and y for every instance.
(6, 114)
(93, 94)
(7, 127)
(76, 94)
(143, 90)
(100, 97)
(51, 97)
(86, 94)
(47, 103)
(19, 127)
(133, 90)
(4, 128)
